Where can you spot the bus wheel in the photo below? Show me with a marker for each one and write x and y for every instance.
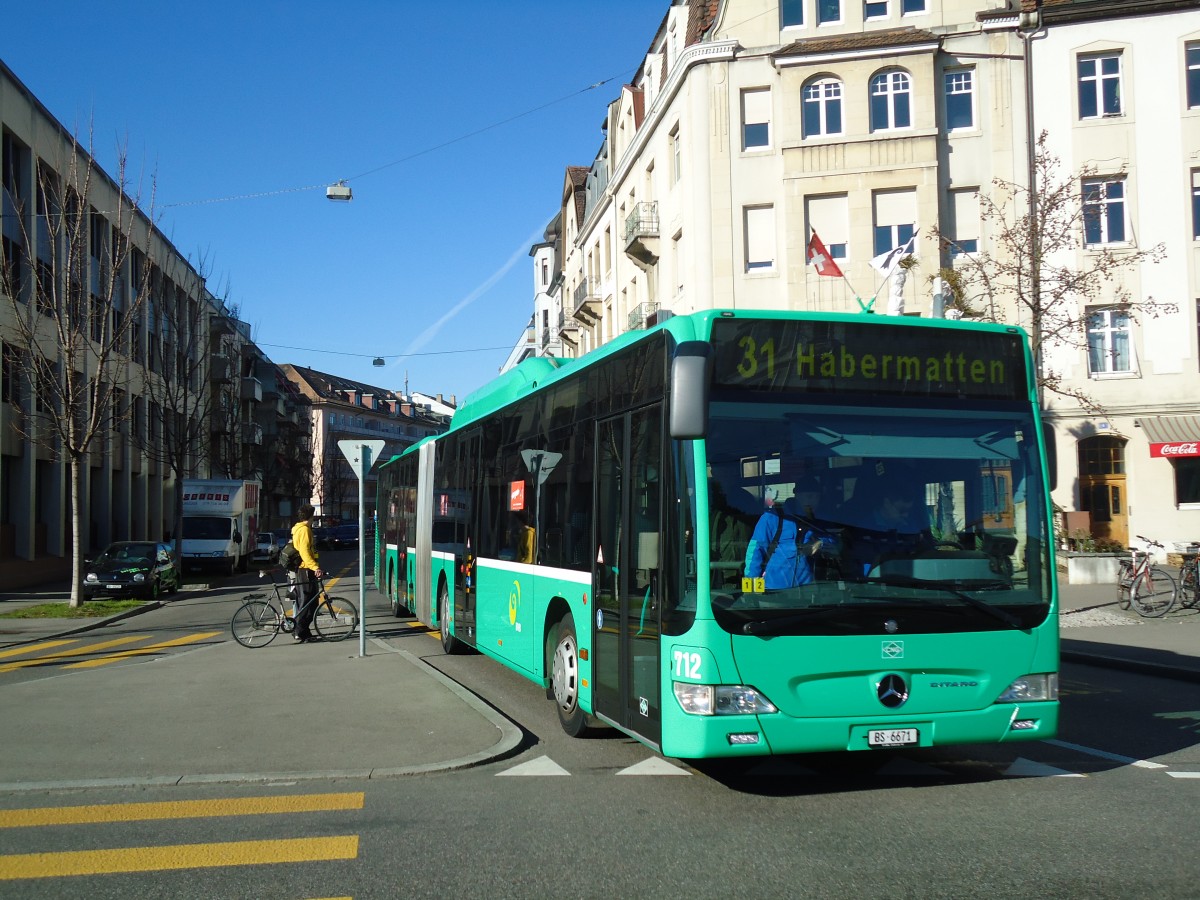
(450, 644)
(564, 679)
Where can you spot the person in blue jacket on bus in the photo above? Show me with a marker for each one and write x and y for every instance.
(784, 540)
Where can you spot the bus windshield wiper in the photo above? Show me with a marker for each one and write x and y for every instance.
(962, 596)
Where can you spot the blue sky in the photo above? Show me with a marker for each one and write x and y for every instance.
(453, 124)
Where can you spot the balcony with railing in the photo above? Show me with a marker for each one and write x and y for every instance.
(646, 315)
(252, 389)
(642, 234)
(586, 307)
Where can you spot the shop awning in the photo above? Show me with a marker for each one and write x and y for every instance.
(1172, 436)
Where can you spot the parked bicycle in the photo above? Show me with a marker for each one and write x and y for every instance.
(262, 616)
(1189, 578)
(1144, 585)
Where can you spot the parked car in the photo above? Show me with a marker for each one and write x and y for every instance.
(321, 538)
(131, 569)
(267, 549)
(343, 537)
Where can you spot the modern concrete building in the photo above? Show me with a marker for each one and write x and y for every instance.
(140, 321)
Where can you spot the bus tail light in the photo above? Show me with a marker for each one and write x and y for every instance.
(1029, 688)
(721, 699)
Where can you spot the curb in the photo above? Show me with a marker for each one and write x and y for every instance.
(1131, 665)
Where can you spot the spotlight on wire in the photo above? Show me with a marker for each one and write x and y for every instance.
(377, 361)
(339, 191)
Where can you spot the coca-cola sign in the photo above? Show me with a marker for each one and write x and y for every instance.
(1176, 448)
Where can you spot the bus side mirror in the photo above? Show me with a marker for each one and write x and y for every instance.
(1051, 453)
(691, 374)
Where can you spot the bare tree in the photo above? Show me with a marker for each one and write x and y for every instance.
(1032, 268)
(73, 315)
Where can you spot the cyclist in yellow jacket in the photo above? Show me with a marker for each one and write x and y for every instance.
(309, 572)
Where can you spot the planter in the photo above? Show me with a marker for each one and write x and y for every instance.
(1090, 568)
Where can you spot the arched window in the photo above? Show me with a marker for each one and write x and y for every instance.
(822, 99)
(891, 101)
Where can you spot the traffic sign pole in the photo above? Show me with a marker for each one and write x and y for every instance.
(361, 455)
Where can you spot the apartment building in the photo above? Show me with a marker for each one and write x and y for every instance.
(343, 409)
(752, 125)
(1128, 109)
(184, 392)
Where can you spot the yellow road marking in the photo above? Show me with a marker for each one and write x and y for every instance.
(142, 651)
(177, 856)
(34, 648)
(178, 809)
(78, 651)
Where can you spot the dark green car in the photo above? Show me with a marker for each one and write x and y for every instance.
(140, 569)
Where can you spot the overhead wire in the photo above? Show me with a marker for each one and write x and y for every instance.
(313, 187)
(383, 355)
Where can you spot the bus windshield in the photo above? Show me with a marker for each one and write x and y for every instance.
(832, 519)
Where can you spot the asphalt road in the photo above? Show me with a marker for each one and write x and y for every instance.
(1106, 810)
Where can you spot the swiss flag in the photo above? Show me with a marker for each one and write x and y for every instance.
(818, 256)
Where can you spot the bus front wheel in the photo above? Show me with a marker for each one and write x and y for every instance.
(564, 679)
(450, 644)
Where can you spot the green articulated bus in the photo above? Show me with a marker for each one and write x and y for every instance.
(746, 532)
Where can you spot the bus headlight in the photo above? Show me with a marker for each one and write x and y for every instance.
(1029, 688)
(721, 699)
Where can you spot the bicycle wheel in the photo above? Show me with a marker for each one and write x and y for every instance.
(336, 619)
(255, 623)
(1188, 597)
(1154, 594)
(1124, 585)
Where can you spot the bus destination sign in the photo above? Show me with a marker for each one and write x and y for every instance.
(873, 357)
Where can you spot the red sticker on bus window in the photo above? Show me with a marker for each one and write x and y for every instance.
(516, 496)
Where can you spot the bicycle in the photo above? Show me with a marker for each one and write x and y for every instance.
(1150, 590)
(1189, 578)
(262, 617)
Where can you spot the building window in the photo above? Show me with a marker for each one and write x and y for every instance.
(760, 238)
(1187, 480)
(822, 103)
(913, 7)
(891, 94)
(1099, 85)
(1196, 204)
(829, 11)
(756, 119)
(1192, 54)
(895, 219)
(1103, 211)
(791, 12)
(875, 9)
(964, 206)
(829, 218)
(1108, 341)
(959, 88)
(676, 156)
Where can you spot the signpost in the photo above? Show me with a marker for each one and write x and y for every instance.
(361, 455)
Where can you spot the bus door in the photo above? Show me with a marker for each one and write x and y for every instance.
(462, 531)
(625, 644)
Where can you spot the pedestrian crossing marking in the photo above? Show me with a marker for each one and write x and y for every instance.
(77, 651)
(543, 765)
(179, 809)
(1027, 768)
(1103, 754)
(653, 766)
(33, 648)
(1184, 774)
(177, 856)
(142, 651)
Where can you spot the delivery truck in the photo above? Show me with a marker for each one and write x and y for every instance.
(220, 523)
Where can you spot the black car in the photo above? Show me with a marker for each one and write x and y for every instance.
(342, 537)
(321, 538)
(131, 569)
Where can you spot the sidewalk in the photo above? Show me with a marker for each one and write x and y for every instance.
(225, 713)
(1098, 632)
